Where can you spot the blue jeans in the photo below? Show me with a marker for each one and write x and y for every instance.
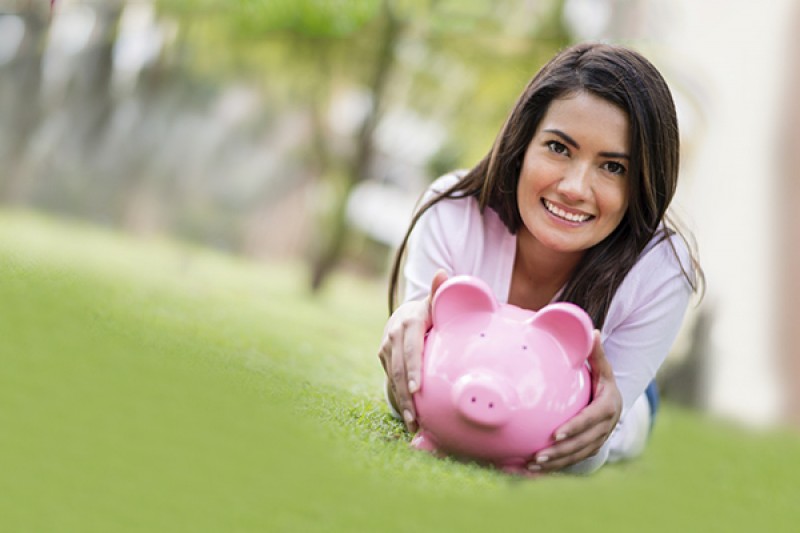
(654, 399)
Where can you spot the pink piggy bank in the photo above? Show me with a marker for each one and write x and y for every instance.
(498, 380)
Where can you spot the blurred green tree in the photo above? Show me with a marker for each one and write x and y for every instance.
(25, 69)
(461, 63)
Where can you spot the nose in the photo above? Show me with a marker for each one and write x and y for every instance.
(482, 400)
(576, 182)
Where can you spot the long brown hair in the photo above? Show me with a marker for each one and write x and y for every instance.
(629, 81)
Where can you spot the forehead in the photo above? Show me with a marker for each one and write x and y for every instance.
(586, 114)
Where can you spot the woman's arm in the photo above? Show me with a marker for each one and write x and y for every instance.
(430, 245)
(428, 262)
(583, 436)
(401, 351)
(641, 326)
(645, 317)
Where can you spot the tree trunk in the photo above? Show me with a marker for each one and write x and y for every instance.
(358, 170)
(22, 106)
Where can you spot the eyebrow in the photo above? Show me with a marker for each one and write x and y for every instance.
(569, 140)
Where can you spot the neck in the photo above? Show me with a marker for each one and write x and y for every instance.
(539, 272)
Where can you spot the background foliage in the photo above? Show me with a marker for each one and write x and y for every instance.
(219, 121)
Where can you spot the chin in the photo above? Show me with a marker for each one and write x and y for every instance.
(565, 247)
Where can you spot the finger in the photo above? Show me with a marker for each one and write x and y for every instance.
(574, 445)
(438, 278)
(593, 424)
(597, 413)
(413, 344)
(400, 382)
(597, 360)
(391, 395)
(551, 464)
(383, 355)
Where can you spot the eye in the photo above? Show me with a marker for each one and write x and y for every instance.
(615, 168)
(557, 147)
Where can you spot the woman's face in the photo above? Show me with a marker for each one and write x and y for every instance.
(573, 185)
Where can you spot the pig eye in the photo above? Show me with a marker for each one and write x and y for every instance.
(524, 346)
(483, 334)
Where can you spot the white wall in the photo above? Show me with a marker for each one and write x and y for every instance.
(736, 53)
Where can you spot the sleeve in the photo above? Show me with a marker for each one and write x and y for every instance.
(643, 326)
(430, 245)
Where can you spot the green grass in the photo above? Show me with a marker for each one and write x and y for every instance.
(151, 386)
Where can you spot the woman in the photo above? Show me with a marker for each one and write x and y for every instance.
(570, 204)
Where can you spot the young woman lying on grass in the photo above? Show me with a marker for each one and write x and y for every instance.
(570, 204)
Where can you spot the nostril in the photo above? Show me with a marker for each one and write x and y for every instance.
(491, 405)
(474, 399)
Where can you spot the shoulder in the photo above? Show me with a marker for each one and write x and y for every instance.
(661, 270)
(461, 211)
(457, 235)
(450, 209)
(441, 184)
(656, 289)
(667, 253)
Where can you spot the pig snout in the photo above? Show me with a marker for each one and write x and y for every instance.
(482, 400)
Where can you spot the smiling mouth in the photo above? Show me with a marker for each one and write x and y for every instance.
(565, 215)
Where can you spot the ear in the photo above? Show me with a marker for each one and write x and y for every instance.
(571, 328)
(460, 296)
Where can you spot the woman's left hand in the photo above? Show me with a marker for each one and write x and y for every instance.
(584, 434)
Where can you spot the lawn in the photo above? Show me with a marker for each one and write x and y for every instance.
(153, 386)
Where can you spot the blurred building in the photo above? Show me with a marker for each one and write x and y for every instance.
(788, 254)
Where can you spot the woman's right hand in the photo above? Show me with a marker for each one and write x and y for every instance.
(401, 351)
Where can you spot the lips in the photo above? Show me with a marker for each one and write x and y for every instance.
(569, 216)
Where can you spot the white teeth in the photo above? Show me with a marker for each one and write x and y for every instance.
(572, 217)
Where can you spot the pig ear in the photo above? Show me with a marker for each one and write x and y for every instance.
(460, 296)
(570, 326)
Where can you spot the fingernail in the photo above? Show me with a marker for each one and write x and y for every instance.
(560, 436)
(408, 417)
(534, 467)
(542, 459)
(412, 386)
